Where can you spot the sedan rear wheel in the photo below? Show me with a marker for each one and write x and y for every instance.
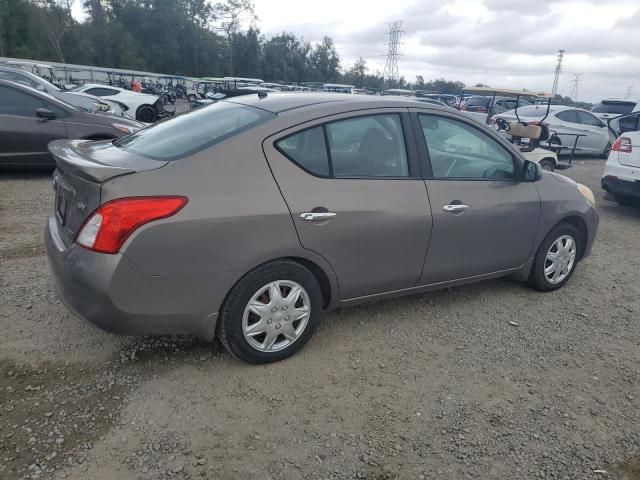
(556, 259)
(146, 114)
(547, 165)
(270, 313)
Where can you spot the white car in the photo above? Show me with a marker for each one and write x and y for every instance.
(83, 101)
(143, 107)
(621, 176)
(567, 122)
(613, 107)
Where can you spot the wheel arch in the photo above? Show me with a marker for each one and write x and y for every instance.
(326, 280)
(581, 226)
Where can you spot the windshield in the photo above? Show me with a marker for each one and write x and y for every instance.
(191, 132)
(619, 108)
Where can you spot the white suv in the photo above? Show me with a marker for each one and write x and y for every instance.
(622, 172)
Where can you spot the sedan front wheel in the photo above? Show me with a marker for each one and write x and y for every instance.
(556, 259)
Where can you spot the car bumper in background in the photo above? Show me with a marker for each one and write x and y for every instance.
(114, 294)
(620, 186)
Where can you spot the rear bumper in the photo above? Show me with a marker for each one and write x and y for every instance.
(114, 294)
(619, 186)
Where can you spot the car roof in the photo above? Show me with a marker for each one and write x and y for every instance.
(28, 89)
(285, 101)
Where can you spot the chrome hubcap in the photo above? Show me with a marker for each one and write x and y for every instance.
(276, 316)
(560, 259)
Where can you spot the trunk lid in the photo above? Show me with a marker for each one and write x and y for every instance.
(82, 168)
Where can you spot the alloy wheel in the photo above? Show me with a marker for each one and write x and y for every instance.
(560, 259)
(276, 316)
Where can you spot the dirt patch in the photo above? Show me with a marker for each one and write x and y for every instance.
(48, 412)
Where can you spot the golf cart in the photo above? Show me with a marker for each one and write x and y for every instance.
(527, 137)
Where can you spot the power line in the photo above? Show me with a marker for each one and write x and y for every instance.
(554, 90)
(575, 85)
(391, 72)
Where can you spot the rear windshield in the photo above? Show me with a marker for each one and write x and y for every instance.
(620, 108)
(191, 132)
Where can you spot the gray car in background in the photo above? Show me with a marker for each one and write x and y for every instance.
(83, 101)
(30, 119)
(247, 218)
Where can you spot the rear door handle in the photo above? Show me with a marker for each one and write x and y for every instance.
(455, 208)
(315, 216)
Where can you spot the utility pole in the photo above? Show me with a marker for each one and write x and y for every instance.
(628, 94)
(391, 72)
(577, 78)
(554, 90)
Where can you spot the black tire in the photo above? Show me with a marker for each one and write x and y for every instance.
(146, 114)
(229, 328)
(626, 200)
(537, 278)
(191, 97)
(547, 164)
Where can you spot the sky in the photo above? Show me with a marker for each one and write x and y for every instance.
(502, 43)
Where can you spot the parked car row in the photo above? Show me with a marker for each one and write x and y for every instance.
(30, 119)
(94, 98)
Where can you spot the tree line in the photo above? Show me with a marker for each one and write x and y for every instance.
(194, 38)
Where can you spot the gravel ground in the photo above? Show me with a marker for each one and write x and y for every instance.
(437, 386)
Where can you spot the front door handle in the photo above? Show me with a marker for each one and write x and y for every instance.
(455, 208)
(315, 216)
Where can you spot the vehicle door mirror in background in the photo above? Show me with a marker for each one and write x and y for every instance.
(45, 114)
(531, 172)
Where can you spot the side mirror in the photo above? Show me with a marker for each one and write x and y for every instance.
(45, 114)
(532, 171)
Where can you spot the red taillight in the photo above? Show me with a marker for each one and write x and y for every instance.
(622, 144)
(113, 222)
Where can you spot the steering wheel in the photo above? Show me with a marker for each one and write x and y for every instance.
(503, 124)
(496, 172)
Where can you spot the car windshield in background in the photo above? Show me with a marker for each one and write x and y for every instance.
(478, 101)
(619, 108)
(191, 132)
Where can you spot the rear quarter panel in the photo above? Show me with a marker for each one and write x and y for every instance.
(235, 219)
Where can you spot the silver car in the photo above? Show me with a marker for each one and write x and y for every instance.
(568, 122)
(248, 218)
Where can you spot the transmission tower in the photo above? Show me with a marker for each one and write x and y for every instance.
(391, 72)
(628, 94)
(554, 90)
(575, 85)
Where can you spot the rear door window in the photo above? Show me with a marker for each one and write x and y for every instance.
(568, 116)
(191, 132)
(371, 146)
